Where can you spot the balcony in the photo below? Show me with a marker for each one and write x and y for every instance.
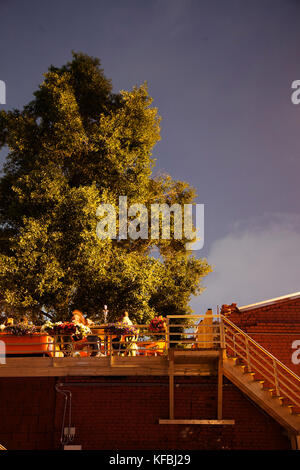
(191, 350)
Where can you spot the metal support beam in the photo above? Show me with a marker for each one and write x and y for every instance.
(220, 386)
(171, 384)
(197, 421)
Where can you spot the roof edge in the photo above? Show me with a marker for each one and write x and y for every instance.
(264, 303)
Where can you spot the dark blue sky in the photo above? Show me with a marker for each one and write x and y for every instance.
(220, 72)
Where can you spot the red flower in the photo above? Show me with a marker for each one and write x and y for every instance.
(157, 324)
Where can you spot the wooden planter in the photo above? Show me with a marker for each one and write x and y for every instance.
(29, 345)
(151, 348)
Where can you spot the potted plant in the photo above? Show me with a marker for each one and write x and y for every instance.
(125, 336)
(121, 329)
(77, 331)
(65, 333)
(21, 330)
(25, 340)
(158, 325)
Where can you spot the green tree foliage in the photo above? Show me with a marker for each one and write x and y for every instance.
(75, 146)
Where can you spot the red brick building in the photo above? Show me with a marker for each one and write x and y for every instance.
(121, 410)
(275, 324)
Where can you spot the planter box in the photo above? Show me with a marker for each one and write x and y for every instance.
(30, 345)
(151, 348)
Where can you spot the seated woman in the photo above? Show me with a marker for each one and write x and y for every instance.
(125, 318)
(128, 344)
(93, 340)
(118, 342)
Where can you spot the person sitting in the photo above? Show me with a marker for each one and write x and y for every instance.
(93, 340)
(125, 318)
(130, 348)
(118, 342)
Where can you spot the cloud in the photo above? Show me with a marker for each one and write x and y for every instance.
(253, 263)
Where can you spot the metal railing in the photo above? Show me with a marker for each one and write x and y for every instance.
(182, 332)
(278, 378)
(201, 331)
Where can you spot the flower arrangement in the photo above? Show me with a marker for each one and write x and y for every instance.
(121, 328)
(157, 325)
(82, 331)
(20, 330)
(76, 330)
(59, 328)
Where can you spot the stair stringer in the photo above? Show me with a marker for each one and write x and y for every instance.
(261, 397)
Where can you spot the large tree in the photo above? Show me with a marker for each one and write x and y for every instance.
(75, 146)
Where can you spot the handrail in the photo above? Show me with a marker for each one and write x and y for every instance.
(207, 332)
(226, 320)
(241, 343)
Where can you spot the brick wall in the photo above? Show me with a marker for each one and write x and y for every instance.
(119, 413)
(276, 327)
(26, 413)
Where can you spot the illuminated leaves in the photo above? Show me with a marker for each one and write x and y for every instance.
(76, 146)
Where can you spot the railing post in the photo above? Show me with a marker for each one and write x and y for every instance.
(171, 383)
(234, 346)
(105, 343)
(276, 378)
(168, 333)
(54, 346)
(222, 335)
(220, 386)
(248, 354)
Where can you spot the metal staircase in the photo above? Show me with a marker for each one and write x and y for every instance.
(263, 378)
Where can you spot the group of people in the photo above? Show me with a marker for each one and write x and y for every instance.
(94, 341)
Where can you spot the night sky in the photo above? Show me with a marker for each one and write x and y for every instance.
(220, 73)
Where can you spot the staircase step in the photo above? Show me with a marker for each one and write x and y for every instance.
(269, 390)
(260, 382)
(245, 369)
(281, 399)
(235, 360)
(292, 412)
